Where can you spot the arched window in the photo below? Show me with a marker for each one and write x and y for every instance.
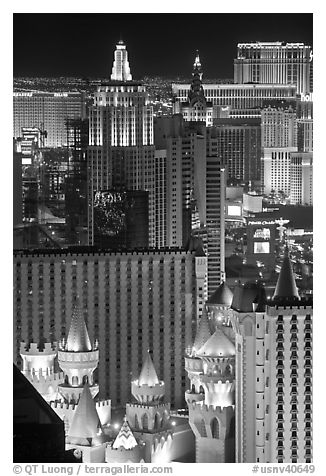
(136, 422)
(75, 381)
(193, 388)
(85, 379)
(201, 389)
(201, 428)
(144, 420)
(157, 421)
(215, 428)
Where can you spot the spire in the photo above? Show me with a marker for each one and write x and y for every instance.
(197, 63)
(203, 332)
(121, 68)
(286, 286)
(85, 425)
(219, 345)
(78, 338)
(125, 437)
(148, 374)
(196, 92)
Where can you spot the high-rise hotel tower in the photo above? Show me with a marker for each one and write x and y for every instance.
(274, 63)
(121, 150)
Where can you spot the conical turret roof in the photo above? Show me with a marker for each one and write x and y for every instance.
(148, 374)
(203, 332)
(218, 345)
(286, 286)
(85, 425)
(125, 437)
(222, 295)
(78, 338)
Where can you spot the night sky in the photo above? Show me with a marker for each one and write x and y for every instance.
(82, 45)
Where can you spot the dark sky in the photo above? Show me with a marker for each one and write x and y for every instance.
(76, 44)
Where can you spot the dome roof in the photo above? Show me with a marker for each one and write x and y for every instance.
(148, 374)
(218, 345)
(222, 295)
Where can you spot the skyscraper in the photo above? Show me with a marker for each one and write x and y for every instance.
(48, 112)
(274, 63)
(197, 108)
(301, 178)
(121, 151)
(273, 372)
(195, 178)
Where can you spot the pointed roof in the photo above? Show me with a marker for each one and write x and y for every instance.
(125, 437)
(197, 63)
(203, 332)
(222, 295)
(78, 338)
(219, 345)
(85, 424)
(148, 374)
(286, 286)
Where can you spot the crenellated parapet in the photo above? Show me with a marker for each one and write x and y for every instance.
(123, 455)
(148, 394)
(210, 421)
(41, 378)
(38, 357)
(148, 417)
(103, 409)
(193, 397)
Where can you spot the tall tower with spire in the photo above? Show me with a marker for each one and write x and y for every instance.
(211, 370)
(149, 416)
(197, 108)
(121, 151)
(273, 372)
(78, 358)
(121, 68)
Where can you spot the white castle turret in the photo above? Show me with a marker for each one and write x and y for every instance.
(149, 417)
(39, 368)
(78, 359)
(211, 370)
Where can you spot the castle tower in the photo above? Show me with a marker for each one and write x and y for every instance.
(149, 416)
(211, 400)
(125, 448)
(121, 68)
(218, 305)
(78, 359)
(86, 434)
(193, 364)
(39, 368)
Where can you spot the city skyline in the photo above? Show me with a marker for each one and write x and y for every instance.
(65, 55)
(213, 307)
